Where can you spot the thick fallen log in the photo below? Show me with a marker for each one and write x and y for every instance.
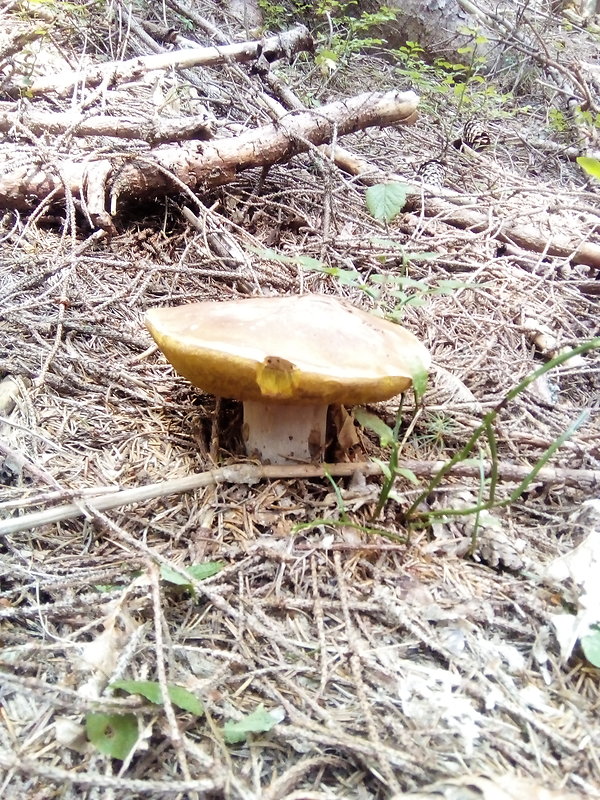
(270, 48)
(194, 166)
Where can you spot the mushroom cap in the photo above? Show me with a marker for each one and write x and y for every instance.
(293, 349)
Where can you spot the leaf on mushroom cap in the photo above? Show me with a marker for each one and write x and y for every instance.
(296, 349)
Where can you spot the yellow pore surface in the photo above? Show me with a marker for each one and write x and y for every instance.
(297, 349)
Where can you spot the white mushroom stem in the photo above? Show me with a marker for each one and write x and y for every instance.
(278, 433)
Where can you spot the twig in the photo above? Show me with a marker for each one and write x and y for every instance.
(66, 777)
(251, 473)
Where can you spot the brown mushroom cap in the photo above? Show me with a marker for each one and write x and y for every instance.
(296, 349)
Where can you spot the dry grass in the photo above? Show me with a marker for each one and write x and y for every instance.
(394, 664)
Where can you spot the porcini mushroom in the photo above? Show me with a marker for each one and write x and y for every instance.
(288, 359)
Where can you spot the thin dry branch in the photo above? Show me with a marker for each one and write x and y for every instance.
(64, 777)
(251, 474)
(448, 209)
(153, 131)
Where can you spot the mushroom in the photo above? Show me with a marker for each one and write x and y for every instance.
(288, 359)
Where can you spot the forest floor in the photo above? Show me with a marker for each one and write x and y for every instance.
(361, 657)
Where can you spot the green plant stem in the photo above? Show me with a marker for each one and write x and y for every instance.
(485, 426)
(493, 447)
(473, 544)
(338, 523)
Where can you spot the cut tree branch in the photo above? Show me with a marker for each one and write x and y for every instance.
(270, 48)
(448, 209)
(216, 162)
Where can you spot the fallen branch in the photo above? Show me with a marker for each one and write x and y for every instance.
(524, 236)
(153, 131)
(168, 168)
(271, 48)
(448, 209)
(251, 474)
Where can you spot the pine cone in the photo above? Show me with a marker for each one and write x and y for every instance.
(432, 172)
(475, 135)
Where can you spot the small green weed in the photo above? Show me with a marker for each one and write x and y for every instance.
(390, 294)
(485, 433)
(457, 85)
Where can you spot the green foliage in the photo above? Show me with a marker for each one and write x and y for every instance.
(437, 428)
(486, 431)
(388, 437)
(386, 200)
(558, 120)
(375, 424)
(275, 15)
(472, 452)
(344, 520)
(116, 734)
(198, 572)
(179, 696)
(393, 293)
(587, 117)
(590, 165)
(112, 734)
(561, 123)
(460, 84)
(258, 721)
(340, 26)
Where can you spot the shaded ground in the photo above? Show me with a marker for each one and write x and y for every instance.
(391, 661)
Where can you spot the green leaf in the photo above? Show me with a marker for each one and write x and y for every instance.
(197, 572)
(590, 165)
(375, 424)
(148, 689)
(107, 587)
(304, 261)
(112, 734)
(450, 283)
(590, 645)
(410, 476)
(347, 277)
(415, 300)
(185, 700)
(385, 469)
(329, 55)
(258, 721)
(308, 262)
(403, 280)
(179, 696)
(420, 378)
(386, 200)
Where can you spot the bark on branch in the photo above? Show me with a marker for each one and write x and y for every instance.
(449, 208)
(153, 131)
(270, 48)
(449, 211)
(212, 163)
